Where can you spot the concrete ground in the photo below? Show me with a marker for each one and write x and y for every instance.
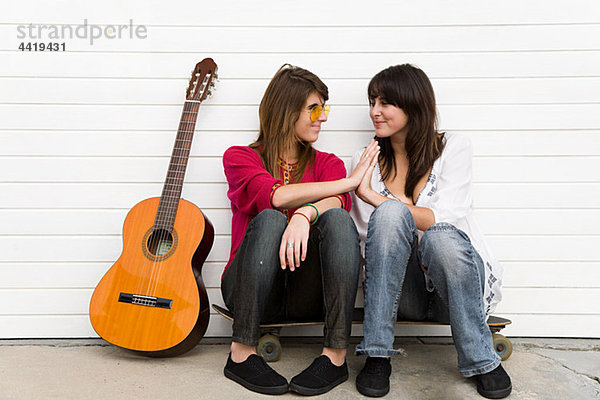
(91, 369)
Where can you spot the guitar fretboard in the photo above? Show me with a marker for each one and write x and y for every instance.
(169, 199)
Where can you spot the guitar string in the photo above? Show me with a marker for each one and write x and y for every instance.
(171, 200)
(157, 229)
(180, 153)
(190, 107)
(162, 215)
(152, 243)
(181, 150)
(157, 234)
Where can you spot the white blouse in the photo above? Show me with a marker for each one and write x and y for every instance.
(448, 194)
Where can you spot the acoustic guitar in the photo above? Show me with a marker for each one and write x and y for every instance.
(153, 300)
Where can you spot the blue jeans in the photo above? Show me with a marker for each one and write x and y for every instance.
(323, 288)
(451, 290)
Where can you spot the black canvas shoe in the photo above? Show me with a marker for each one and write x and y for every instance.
(495, 384)
(374, 379)
(320, 377)
(256, 375)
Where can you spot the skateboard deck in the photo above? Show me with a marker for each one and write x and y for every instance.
(270, 349)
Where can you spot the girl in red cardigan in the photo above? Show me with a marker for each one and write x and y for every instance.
(294, 248)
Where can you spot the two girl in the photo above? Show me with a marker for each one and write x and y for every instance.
(295, 250)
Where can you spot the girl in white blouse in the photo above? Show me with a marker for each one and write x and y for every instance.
(425, 257)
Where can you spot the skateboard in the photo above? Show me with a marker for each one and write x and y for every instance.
(269, 346)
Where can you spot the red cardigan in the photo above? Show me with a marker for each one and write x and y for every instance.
(250, 186)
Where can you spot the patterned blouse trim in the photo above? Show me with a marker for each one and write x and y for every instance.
(286, 166)
(431, 178)
(286, 174)
(273, 190)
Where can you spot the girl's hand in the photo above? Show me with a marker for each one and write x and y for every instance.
(294, 242)
(364, 188)
(366, 159)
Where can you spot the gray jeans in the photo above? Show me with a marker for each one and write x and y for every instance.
(256, 290)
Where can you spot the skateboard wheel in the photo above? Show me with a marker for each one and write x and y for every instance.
(269, 348)
(502, 345)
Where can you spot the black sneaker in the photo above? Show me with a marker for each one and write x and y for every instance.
(256, 375)
(495, 384)
(374, 379)
(321, 376)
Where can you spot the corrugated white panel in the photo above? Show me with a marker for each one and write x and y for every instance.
(507, 64)
(248, 92)
(75, 248)
(65, 275)
(86, 134)
(117, 117)
(278, 14)
(210, 169)
(494, 221)
(214, 195)
(213, 143)
(84, 222)
(518, 274)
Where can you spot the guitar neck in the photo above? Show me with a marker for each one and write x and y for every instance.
(171, 193)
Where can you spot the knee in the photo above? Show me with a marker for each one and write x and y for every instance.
(269, 220)
(339, 237)
(337, 225)
(392, 215)
(443, 232)
(337, 218)
(446, 248)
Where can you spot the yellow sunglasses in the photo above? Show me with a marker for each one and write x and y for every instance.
(316, 112)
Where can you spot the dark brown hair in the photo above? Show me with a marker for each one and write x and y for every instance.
(279, 110)
(407, 87)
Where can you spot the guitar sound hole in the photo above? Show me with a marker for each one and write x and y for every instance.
(160, 242)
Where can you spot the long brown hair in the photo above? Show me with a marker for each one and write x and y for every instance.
(407, 87)
(280, 108)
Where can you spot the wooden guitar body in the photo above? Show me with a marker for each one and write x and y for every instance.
(151, 300)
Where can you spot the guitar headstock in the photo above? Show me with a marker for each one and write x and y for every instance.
(202, 82)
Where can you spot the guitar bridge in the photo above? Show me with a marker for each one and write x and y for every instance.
(142, 300)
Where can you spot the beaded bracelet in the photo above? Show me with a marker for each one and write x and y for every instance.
(299, 213)
(316, 209)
